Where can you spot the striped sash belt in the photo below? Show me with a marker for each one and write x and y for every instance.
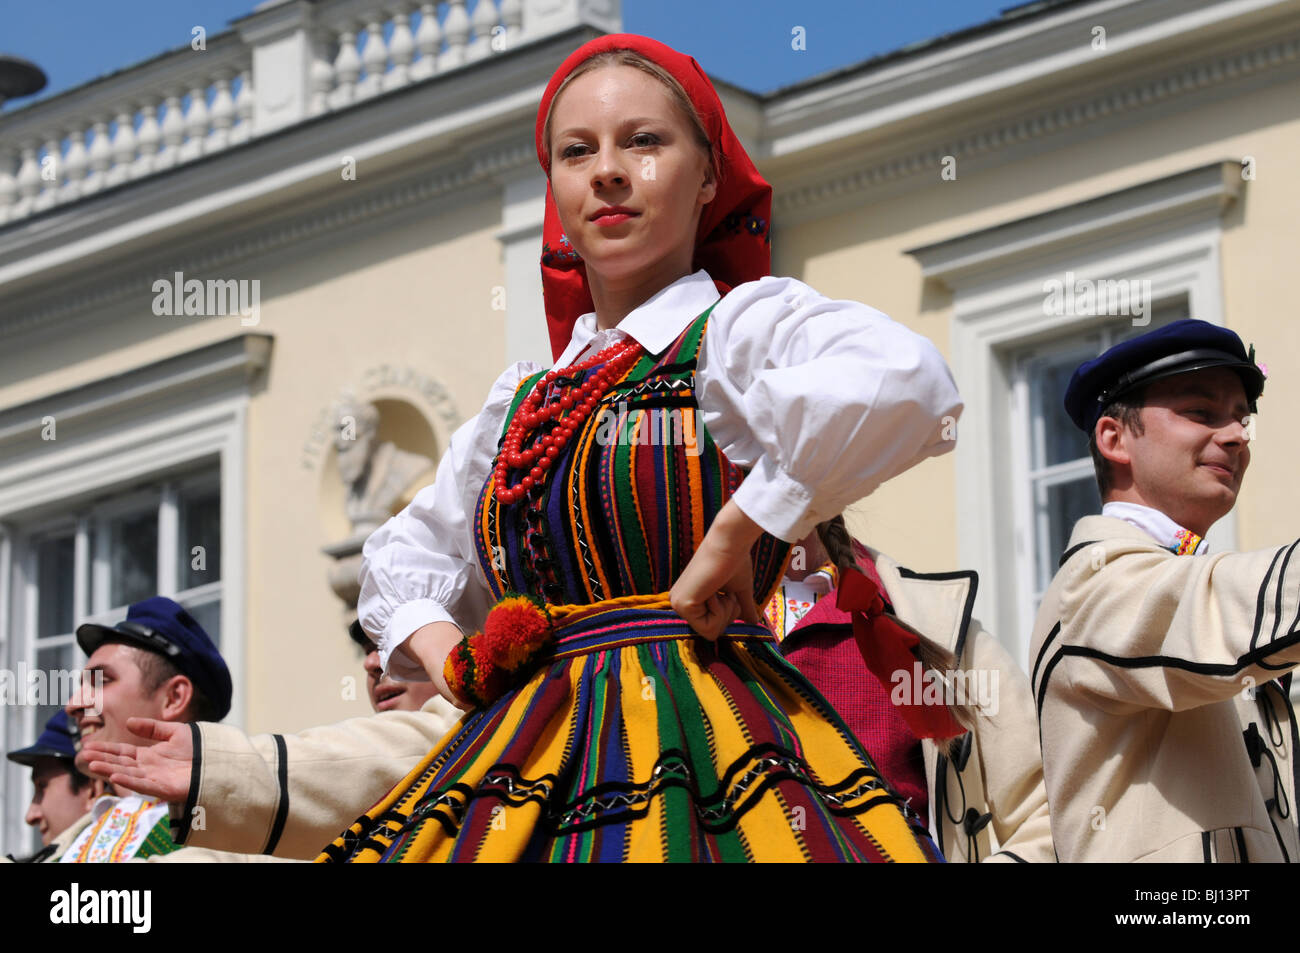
(615, 623)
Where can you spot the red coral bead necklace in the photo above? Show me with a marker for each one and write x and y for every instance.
(569, 412)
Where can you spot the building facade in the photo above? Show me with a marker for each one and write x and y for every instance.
(220, 266)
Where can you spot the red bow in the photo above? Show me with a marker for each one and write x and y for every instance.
(888, 648)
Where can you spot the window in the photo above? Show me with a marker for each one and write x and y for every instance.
(1023, 474)
(1056, 480)
(53, 647)
(90, 563)
(140, 494)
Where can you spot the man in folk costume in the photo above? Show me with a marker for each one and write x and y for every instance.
(158, 663)
(1161, 670)
(63, 795)
(878, 641)
(278, 795)
(629, 705)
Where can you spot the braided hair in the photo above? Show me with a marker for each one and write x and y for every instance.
(835, 539)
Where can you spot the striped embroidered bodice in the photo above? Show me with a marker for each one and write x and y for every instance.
(629, 499)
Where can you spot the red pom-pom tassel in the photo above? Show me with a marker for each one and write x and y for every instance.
(516, 629)
(484, 665)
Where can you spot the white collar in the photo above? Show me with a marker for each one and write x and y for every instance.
(1155, 524)
(655, 323)
(103, 804)
(129, 799)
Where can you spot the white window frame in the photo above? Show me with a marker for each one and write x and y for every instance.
(1168, 232)
(91, 604)
(1029, 522)
(148, 424)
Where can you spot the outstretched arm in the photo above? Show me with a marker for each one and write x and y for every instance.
(285, 795)
(1151, 630)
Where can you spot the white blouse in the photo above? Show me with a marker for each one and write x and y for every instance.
(823, 399)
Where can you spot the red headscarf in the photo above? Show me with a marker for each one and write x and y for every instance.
(733, 242)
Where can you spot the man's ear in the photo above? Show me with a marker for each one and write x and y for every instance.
(91, 792)
(1113, 440)
(178, 691)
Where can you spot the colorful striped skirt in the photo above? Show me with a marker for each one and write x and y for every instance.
(639, 741)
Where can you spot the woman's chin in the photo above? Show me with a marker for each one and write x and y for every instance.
(622, 265)
(614, 260)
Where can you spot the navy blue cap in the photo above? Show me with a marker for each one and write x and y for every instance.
(55, 742)
(161, 626)
(1174, 348)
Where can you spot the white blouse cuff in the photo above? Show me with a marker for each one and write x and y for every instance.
(400, 665)
(776, 501)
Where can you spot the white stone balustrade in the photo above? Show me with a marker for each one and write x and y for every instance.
(363, 49)
(285, 62)
(115, 130)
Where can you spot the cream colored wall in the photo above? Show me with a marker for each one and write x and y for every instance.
(110, 340)
(415, 296)
(859, 254)
(1261, 249)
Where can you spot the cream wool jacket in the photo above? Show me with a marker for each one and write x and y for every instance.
(290, 795)
(1165, 735)
(51, 852)
(987, 797)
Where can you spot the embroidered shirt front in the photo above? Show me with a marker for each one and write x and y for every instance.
(792, 600)
(121, 827)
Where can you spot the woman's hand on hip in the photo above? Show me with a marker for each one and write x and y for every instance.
(717, 585)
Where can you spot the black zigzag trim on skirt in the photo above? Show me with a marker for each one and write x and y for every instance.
(740, 789)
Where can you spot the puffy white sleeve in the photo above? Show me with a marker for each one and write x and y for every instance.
(823, 399)
(421, 566)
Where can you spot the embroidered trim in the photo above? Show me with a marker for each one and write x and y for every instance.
(1188, 543)
(566, 253)
(609, 803)
(756, 226)
(671, 768)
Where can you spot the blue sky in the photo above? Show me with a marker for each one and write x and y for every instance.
(746, 42)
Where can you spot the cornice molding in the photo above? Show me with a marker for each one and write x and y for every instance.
(458, 118)
(1209, 189)
(237, 363)
(1056, 48)
(399, 196)
(801, 202)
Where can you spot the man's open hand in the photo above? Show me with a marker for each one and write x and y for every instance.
(161, 769)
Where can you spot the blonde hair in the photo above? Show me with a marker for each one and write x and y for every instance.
(636, 60)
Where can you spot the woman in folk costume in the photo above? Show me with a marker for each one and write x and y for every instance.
(941, 707)
(625, 703)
